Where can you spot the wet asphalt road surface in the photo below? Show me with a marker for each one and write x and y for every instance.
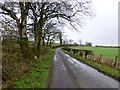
(67, 72)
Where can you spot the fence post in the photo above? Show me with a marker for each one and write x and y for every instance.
(114, 62)
(100, 58)
(93, 58)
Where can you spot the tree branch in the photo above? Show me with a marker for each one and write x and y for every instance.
(9, 12)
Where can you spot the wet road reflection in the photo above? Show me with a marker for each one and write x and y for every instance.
(67, 72)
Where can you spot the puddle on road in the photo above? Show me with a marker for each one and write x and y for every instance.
(63, 67)
(55, 57)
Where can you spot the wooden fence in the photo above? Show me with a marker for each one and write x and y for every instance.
(114, 63)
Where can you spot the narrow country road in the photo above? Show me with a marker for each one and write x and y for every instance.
(67, 72)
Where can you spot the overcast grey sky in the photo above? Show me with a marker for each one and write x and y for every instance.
(103, 28)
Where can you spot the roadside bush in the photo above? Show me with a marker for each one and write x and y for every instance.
(13, 65)
(44, 50)
(11, 59)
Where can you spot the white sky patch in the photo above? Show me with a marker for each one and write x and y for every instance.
(103, 28)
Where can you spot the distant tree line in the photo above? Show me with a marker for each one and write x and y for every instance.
(107, 46)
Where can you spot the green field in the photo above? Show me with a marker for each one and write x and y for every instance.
(55, 44)
(106, 52)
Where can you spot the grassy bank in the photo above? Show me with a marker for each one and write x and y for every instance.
(17, 72)
(102, 68)
(39, 75)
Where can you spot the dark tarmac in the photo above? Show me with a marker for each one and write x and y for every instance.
(67, 72)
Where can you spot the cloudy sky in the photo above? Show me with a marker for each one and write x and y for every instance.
(103, 28)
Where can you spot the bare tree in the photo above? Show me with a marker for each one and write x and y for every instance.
(63, 11)
(65, 41)
(51, 35)
(70, 41)
(18, 12)
(88, 43)
(60, 37)
(80, 42)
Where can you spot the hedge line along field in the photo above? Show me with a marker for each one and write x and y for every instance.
(106, 52)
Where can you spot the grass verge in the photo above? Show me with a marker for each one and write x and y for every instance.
(101, 68)
(38, 76)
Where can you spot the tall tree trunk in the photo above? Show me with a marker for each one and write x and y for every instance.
(21, 23)
(43, 39)
(60, 38)
(38, 40)
(39, 32)
(23, 41)
(24, 45)
(35, 28)
(26, 52)
(35, 37)
(48, 41)
(51, 41)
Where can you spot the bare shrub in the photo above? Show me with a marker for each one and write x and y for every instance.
(44, 50)
(107, 61)
(90, 56)
(95, 58)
